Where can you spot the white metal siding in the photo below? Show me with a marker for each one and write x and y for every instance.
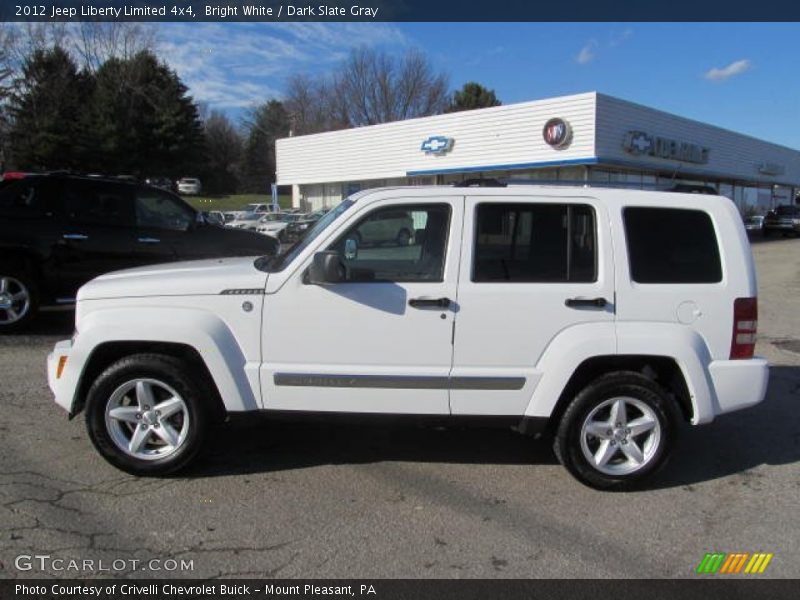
(732, 155)
(503, 135)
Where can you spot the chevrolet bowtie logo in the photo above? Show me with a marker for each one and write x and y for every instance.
(437, 144)
(639, 142)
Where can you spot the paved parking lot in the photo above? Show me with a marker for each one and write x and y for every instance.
(328, 501)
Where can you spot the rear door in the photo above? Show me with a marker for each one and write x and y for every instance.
(531, 267)
(96, 230)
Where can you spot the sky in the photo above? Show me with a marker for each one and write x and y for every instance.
(740, 76)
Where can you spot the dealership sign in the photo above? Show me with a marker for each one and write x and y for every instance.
(437, 144)
(557, 133)
(640, 143)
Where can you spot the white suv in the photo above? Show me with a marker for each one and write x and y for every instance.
(603, 317)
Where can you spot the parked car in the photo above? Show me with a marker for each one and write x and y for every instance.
(754, 223)
(214, 217)
(602, 316)
(276, 224)
(189, 186)
(298, 228)
(784, 219)
(247, 221)
(397, 227)
(59, 231)
(165, 183)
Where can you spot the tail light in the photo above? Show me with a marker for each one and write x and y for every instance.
(745, 323)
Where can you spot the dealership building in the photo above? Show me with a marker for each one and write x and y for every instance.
(588, 139)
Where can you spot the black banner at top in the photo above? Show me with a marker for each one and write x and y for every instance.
(399, 10)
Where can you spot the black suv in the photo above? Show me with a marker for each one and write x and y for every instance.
(59, 231)
(783, 219)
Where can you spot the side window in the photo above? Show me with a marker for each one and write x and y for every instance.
(22, 199)
(535, 243)
(162, 211)
(98, 203)
(668, 245)
(398, 244)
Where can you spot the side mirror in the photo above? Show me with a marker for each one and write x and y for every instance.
(325, 269)
(351, 248)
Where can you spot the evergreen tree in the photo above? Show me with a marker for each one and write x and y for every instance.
(268, 122)
(471, 96)
(145, 122)
(47, 111)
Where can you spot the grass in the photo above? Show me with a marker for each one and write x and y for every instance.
(234, 202)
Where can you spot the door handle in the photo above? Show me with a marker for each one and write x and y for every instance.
(429, 302)
(588, 302)
(75, 236)
(148, 240)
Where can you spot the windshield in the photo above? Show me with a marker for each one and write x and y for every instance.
(283, 259)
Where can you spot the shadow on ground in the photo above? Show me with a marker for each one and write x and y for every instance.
(768, 434)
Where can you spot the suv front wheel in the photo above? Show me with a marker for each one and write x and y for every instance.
(617, 431)
(18, 299)
(146, 416)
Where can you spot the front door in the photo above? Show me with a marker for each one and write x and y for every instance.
(380, 341)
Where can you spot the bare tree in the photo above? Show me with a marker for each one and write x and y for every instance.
(369, 87)
(381, 88)
(95, 42)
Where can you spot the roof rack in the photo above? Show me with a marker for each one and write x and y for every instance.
(684, 188)
(480, 183)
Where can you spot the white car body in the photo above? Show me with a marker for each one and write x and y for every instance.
(247, 221)
(189, 186)
(500, 350)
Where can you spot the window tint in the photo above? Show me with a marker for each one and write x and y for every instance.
(397, 244)
(98, 203)
(161, 210)
(22, 199)
(534, 243)
(667, 245)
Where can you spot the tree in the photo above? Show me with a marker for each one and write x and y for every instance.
(471, 96)
(369, 87)
(46, 109)
(267, 123)
(223, 145)
(145, 122)
(377, 88)
(95, 42)
(313, 105)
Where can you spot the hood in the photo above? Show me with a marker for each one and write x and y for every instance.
(191, 278)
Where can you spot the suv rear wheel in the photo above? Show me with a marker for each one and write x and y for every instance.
(146, 416)
(617, 431)
(19, 300)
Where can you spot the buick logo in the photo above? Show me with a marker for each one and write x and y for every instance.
(557, 133)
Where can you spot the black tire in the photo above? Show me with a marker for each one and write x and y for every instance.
(766, 232)
(169, 371)
(17, 280)
(568, 444)
(403, 237)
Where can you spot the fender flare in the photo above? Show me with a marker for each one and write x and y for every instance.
(200, 329)
(575, 345)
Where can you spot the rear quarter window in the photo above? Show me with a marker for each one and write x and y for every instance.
(670, 245)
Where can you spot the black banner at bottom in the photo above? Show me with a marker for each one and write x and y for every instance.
(400, 589)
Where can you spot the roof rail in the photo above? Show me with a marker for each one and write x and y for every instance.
(480, 183)
(685, 188)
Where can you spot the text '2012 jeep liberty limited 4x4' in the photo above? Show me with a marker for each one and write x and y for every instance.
(602, 316)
